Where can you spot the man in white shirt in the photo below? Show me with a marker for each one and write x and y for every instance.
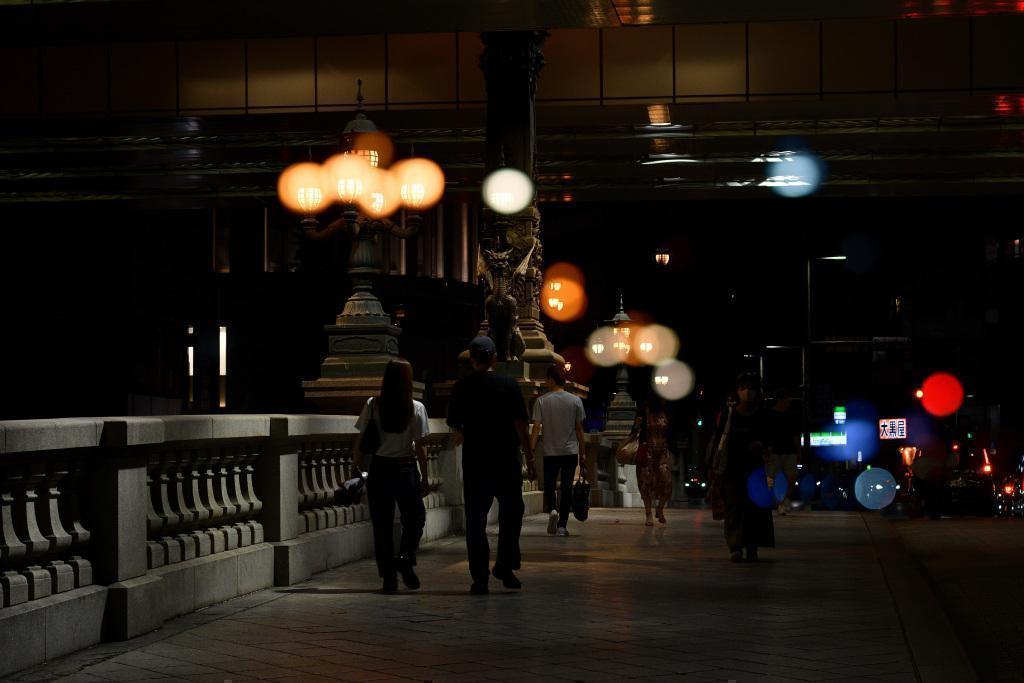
(559, 416)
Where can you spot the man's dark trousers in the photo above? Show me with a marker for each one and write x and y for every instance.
(392, 481)
(555, 465)
(481, 486)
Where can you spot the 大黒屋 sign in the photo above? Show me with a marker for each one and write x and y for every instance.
(892, 428)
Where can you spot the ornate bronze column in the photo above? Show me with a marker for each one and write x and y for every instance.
(511, 248)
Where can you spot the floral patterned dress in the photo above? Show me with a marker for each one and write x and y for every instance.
(654, 470)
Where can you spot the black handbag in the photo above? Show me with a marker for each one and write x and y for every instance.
(581, 498)
(369, 441)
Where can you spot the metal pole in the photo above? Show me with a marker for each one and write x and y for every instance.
(805, 370)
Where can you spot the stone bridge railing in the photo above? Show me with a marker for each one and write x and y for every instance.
(110, 526)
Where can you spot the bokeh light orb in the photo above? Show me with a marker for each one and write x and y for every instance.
(301, 188)
(563, 299)
(581, 370)
(507, 191)
(420, 182)
(653, 344)
(346, 174)
(781, 487)
(376, 147)
(942, 394)
(600, 350)
(798, 175)
(861, 440)
(758, 491)
(672, 379)
(380, 197)
(808, 487)
(875, 488)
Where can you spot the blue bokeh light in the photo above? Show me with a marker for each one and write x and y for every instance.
(875, 488)
(757, 489)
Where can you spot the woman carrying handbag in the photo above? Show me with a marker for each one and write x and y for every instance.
(392, 430)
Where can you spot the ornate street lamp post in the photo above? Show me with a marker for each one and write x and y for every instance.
(363, 339)
(622, 409)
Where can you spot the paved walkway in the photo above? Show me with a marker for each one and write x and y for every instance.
(614, 601)
(977, 568)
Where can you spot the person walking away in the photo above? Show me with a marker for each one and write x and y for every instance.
(784, 427)
(747, 526)
(654, 461)
(393, 476)
(488, 415)
(558, 421)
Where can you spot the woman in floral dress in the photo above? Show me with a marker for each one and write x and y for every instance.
(654, 462)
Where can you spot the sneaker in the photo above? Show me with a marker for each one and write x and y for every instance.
(552, 522)
(562, 531)
(409, 578)
(479, 588)
(751, 554)
(507, 578)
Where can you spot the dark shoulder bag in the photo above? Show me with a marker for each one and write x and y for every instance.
(369, 442)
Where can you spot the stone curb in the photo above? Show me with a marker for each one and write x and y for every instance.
(937, 653)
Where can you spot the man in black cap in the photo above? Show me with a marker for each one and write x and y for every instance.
(489, 417)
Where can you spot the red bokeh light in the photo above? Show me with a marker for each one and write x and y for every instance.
(943, 394)
(581, 370)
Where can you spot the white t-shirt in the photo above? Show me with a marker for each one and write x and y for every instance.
(558, 412)
(392, 444)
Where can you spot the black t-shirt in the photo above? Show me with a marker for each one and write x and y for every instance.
(486, 406)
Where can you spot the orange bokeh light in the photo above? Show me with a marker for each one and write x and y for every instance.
(420, 182)
(563, 297)
(375, 146)
(302, 189)
(346, 174)
(581, 370)
(380, 197)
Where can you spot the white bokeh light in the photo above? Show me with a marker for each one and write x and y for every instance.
(653, 344)
(796, 175)
(672, 379)
(508, 191)
(601, 349)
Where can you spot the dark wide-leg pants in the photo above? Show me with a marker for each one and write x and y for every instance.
(481, 486)
(394, 482)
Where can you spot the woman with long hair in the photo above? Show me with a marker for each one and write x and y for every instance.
(653, 460)
(402, 425)
(736, 454)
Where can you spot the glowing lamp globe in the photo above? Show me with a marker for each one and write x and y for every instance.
(508, 191)
(672, 379)
(653, 344)
(347, 174)
(301, 188)
(420, 183)
(380, 197)
(375, 147)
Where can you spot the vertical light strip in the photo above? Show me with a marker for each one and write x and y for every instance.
(191, 361)
(266, 240)
(223, 351)
(223, 379)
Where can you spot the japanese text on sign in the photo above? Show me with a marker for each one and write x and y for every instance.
(892, 428)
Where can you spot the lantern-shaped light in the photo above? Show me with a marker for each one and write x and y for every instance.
(301, 188)
(662, 257)
(347, 175)
(420, 182)
(375, 147)
(507, 191)
(380, 197)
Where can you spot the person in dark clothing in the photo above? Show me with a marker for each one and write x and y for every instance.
(489, 417)
(739, 451)
(394, 478)
(784, 445)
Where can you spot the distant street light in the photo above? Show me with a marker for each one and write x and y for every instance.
(663, 256)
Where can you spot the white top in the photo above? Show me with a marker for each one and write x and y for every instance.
(400, 444)
(558, 412)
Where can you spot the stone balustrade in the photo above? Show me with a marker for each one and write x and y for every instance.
(110, 526)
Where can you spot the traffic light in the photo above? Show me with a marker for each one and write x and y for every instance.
(955, 446)
(970, 436)
(700, 422)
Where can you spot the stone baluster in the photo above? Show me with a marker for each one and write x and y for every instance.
(335, 515)
(49, 508)
(164, 507)
(154, 522)
(305, 491)
(12, 549)
(250, 455)
(193, 466)
(179, 475)
(71, 506)
(26, 513)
